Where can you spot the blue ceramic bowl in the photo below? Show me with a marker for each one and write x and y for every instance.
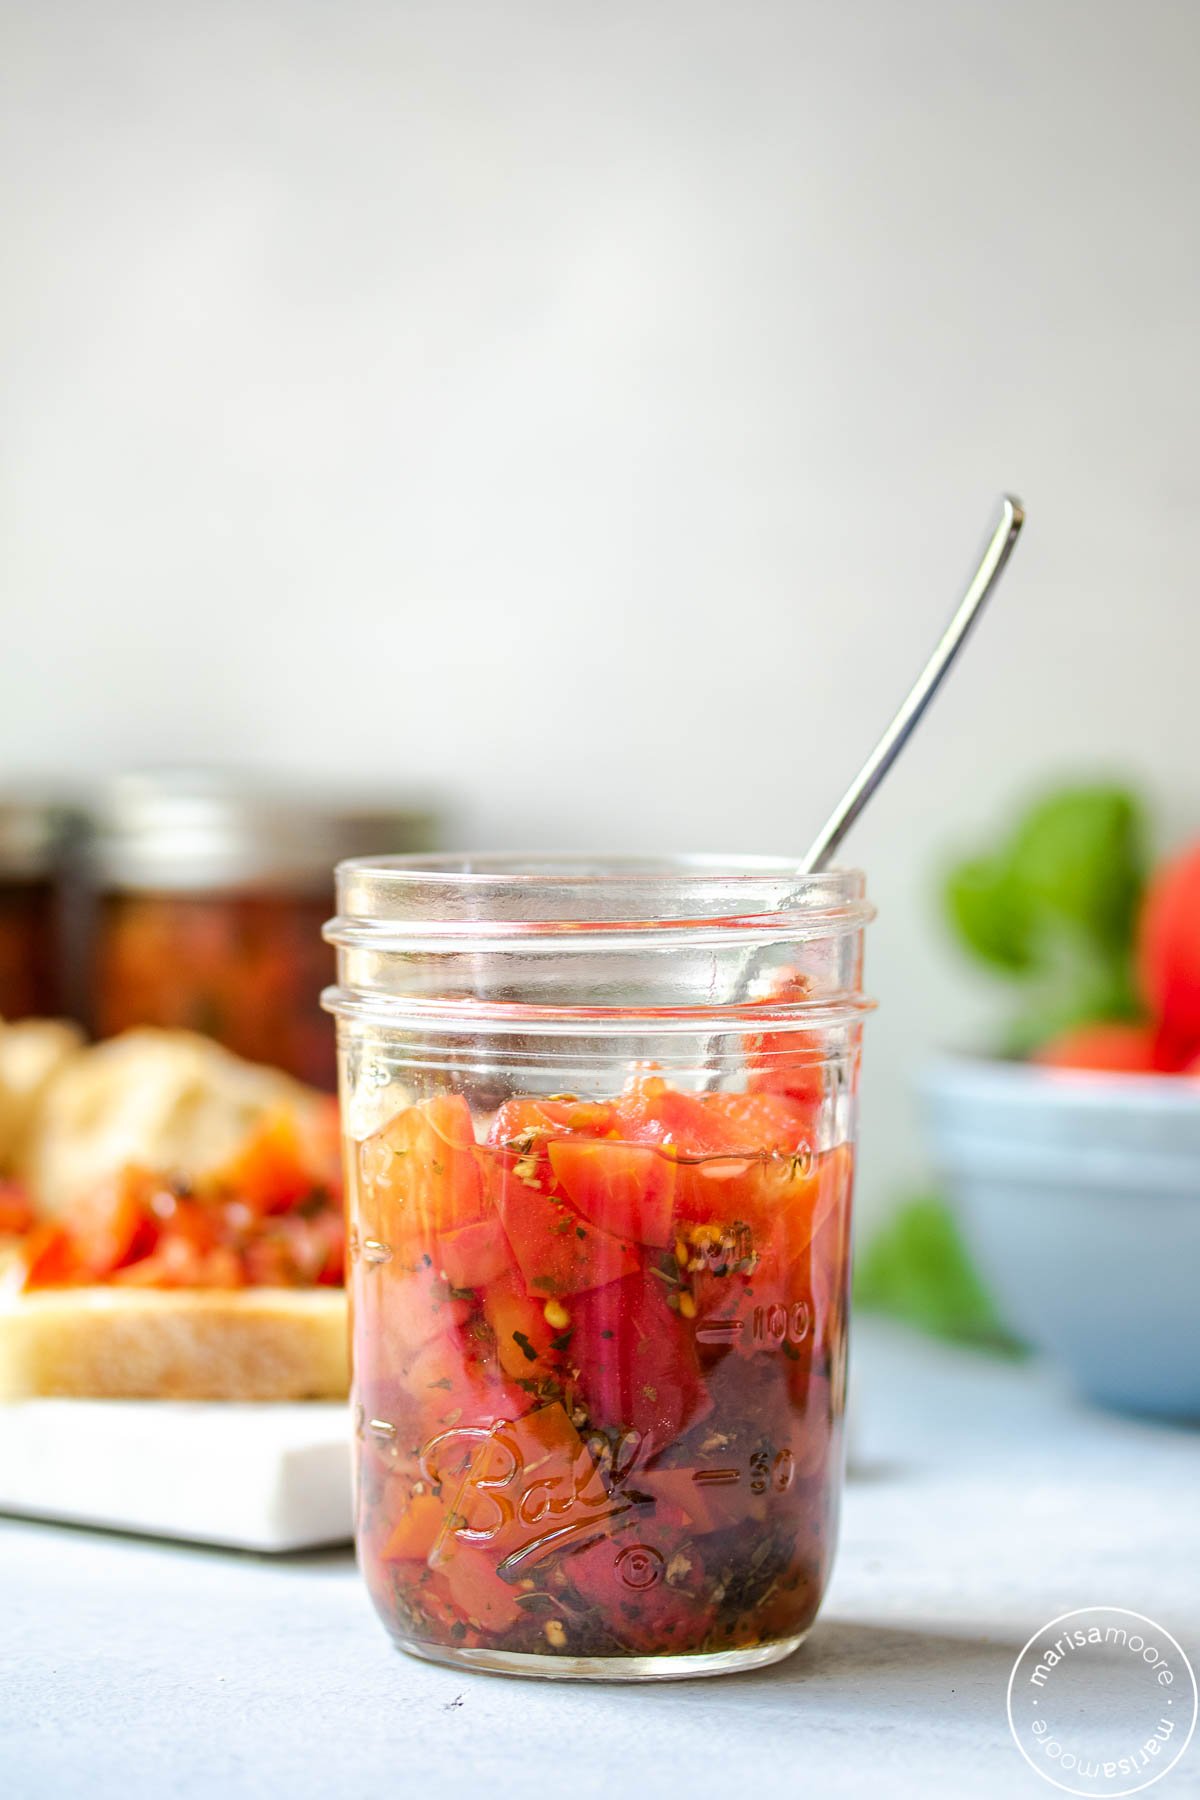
(1078, 1196)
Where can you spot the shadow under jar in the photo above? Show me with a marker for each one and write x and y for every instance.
(600, 1122)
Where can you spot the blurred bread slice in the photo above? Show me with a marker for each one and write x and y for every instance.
(33, 1053)
(167, 1100)
(114, 1343)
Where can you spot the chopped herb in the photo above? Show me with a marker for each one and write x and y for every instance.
(561, 1341)
(527, 1348)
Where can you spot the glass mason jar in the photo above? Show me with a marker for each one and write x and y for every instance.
(209, 893)
(600, 1124)
(32, 838)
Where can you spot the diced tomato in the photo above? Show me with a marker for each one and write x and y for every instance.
(49, 1258)
(763, 1121)
(111, 1224)
(186, 1220)
(800, 1196)
(549, 1451)
(623, 1189)
(481, 1595)
(408, 1307)
(703, 1144)
(524, 1337)
(450, 1116)
(518, 1118)
(421, 1175)
(788, 1062)
(415, 1532)
(637, 1360)
(473, 1255)
(270, 1172)
(557, 1250)
(515, 1120)
(451, 1379)
(791, 1063)
(596, 1118)
(555, 1464)
(651, 1112)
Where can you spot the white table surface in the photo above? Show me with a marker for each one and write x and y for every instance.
(987, 1501)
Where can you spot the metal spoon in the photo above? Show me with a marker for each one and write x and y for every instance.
(985, 578)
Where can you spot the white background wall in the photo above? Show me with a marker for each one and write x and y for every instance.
(593, 410)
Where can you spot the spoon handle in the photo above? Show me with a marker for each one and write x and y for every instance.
(985, 578)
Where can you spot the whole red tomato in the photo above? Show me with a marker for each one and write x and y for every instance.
(1168, 955)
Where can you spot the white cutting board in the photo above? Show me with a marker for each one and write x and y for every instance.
(252, 1476)
(249, 1475)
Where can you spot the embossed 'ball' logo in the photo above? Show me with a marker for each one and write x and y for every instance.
(639, 1565)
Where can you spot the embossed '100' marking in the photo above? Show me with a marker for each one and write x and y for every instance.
(773, 1326)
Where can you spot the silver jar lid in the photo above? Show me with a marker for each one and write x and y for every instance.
(32, 834)
(198, 830)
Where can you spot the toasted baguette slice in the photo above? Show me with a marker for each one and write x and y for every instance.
(113, 1343)
(33, 1054)
(167, 1100)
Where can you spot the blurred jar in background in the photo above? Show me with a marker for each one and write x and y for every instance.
(209, 895)
(32, 839)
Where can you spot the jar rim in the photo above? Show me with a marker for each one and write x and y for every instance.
(490, 899)
(476, 868)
